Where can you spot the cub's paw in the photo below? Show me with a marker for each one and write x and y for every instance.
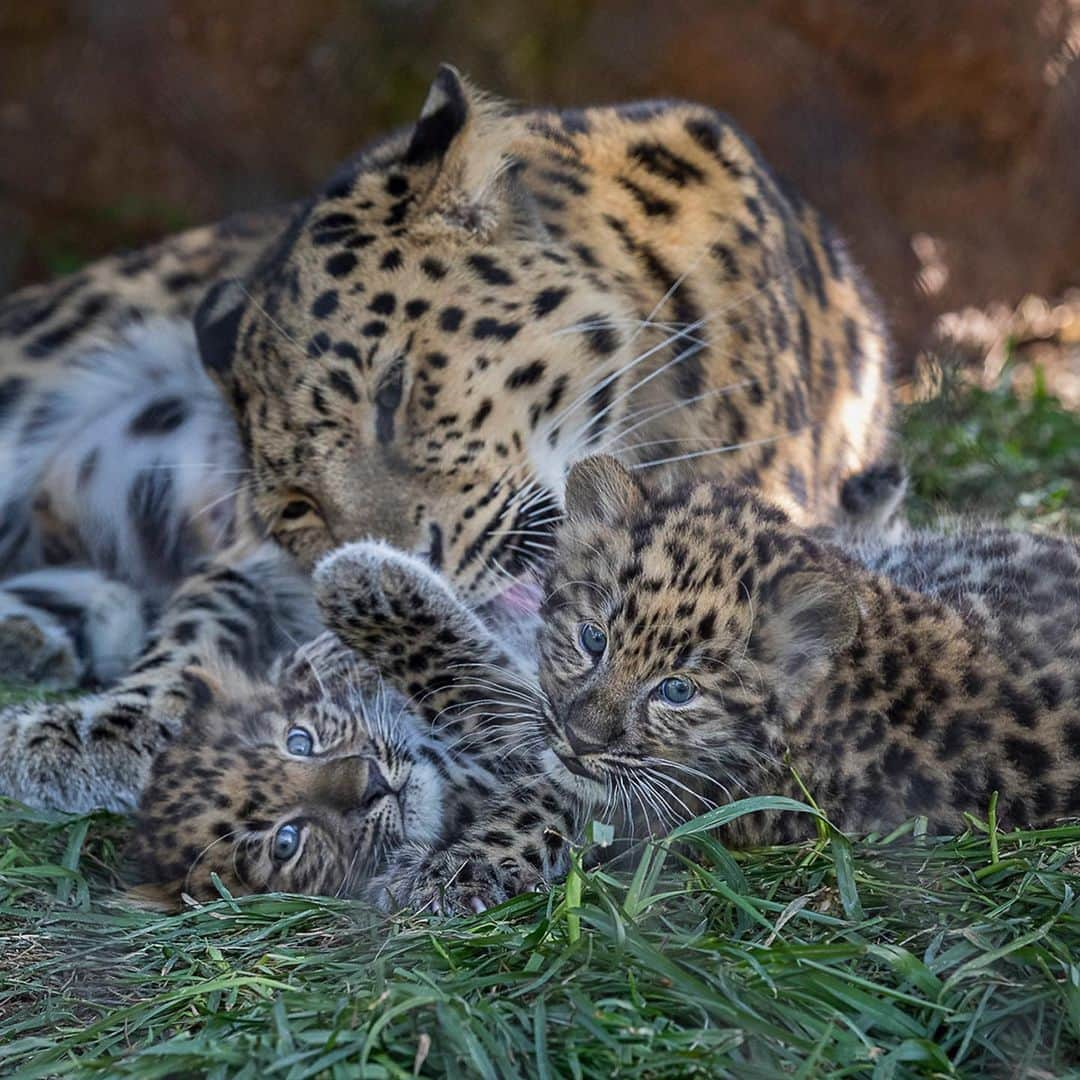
(453, 882)
(45, 761)
(364, 589)
(35, 650)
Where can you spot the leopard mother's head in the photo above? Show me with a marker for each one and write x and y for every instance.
(415, 357)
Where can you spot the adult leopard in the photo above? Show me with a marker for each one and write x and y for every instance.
(418, 353)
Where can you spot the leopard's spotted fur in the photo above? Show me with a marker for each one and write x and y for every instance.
(377, 779)
(912, 673)
(418, 353)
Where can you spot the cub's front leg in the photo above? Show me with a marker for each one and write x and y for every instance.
(95, 752)
(405, 619)
(519, 843)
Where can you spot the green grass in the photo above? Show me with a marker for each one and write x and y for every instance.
(894, 957)
(897, 957)
(995, 453)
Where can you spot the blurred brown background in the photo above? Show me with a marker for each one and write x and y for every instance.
(942, 136)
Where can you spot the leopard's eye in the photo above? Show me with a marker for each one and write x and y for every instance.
(286, 842)
(593, 639)
(298, 507)
(299, 742)
(676, 690)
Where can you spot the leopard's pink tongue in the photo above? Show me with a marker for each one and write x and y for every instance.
(522, 598)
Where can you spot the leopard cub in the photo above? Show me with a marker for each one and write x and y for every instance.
(357, 754)
(697, 646)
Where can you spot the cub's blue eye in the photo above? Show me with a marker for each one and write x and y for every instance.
(299, 742)
(285, 843)
(677, 690)
(593, 639)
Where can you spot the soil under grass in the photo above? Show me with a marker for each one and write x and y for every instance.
(892, 957)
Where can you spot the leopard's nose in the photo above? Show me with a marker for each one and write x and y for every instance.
(377, 785)
(583, 744)
(351, 783)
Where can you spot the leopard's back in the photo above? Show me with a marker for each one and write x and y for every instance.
(1022, 589)
(776, 348)
(46, 327)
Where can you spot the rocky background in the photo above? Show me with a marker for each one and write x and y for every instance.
(942, 136)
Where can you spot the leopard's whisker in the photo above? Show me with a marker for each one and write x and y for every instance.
(508, 677)
(240, 831)
(665, 783)
(639, 358)
(618, 373)
(270, 319)
(646, 797)
(620, 432)
(586, 432)
(232, 493)
(584, 436)
(514, 692)
(665, 815)
(727, 449)
(690, 771)
(605, 595)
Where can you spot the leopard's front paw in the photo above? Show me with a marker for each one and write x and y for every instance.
(91, 753)
(35, 650)
(455, 882)
(364, 588)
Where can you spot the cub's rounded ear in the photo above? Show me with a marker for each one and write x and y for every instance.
(601, 489)
(217, 324)
(811, 615)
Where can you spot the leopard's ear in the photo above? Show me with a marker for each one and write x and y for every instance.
(601, 490)
(463, 137)
(809, 617)
(217, 326)
(166, 897)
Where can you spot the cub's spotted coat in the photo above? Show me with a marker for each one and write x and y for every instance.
(320, 776)
(245, 609)
(419, 353)
(697, 646)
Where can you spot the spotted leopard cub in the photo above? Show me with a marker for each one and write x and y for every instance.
(702, 643)
(319, 776)
(696, 647)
